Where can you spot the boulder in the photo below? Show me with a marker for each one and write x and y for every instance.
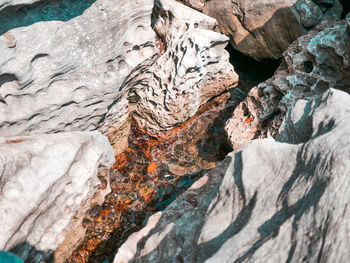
(193, 67)
(47, 184)
(265, 29)
(86, 65)
(314, 63)
(271, 202)
(63, 62)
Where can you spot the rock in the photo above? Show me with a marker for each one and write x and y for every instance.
(265, 29)
(271, 202)
(311, 65)
(47, 184)
(64, 61)
(81, 83)
(168, 89)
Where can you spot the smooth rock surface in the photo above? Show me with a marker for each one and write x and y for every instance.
(63, 62)
(194, 66)
(265, 29)
(314, 63)
(271, 202)
(47, 183)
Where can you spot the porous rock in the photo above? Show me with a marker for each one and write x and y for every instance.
(265, 29)
(63, 62)
(271, 202)
(194, 66)
(311, 65)
(47, 184)
(85, 65)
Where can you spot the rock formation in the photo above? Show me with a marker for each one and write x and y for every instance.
(81, 84)
(271, 202)
(47, 184)
(63, 61)
(69, 67)
(311, 65)
(86, 65)
(193, 67)
(265, 29)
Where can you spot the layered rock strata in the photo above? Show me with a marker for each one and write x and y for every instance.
(47, 184)
(311, 65)
(271, 202)
(265, 29)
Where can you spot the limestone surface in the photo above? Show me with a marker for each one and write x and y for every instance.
(47, 184)
(63, 62)
(263, 29)
(271, 202)
(192, 68)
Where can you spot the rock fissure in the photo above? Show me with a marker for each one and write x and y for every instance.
(155, 78)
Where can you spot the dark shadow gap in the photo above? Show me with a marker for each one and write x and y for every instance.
(346, 7)
(251, 72)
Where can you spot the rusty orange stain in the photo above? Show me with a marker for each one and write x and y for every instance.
(151, 167)
(248, 120)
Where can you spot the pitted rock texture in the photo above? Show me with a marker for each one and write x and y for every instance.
(168, 89)
(271, 202)
(41, 201)
(314, 63)
(265, 29)
(63, 62)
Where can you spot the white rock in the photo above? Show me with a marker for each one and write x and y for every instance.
(63, 62)
(46, 180)
(169, 89)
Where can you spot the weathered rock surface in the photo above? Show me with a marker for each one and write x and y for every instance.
(63, 62)
(72, 75)
(47, 183)
(314, 63)
(271, 202)
(265, 29)
(168, 89)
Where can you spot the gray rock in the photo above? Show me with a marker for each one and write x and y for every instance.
(66, 63)
(265, 29)
(311, 65)
(63, 62)
(194, 66)
(47, 184)
(271, 202)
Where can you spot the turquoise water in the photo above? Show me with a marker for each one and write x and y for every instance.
(6, 257)
(63, 10)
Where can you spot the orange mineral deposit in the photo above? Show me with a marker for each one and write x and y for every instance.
(248, 120)
(151, 167)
